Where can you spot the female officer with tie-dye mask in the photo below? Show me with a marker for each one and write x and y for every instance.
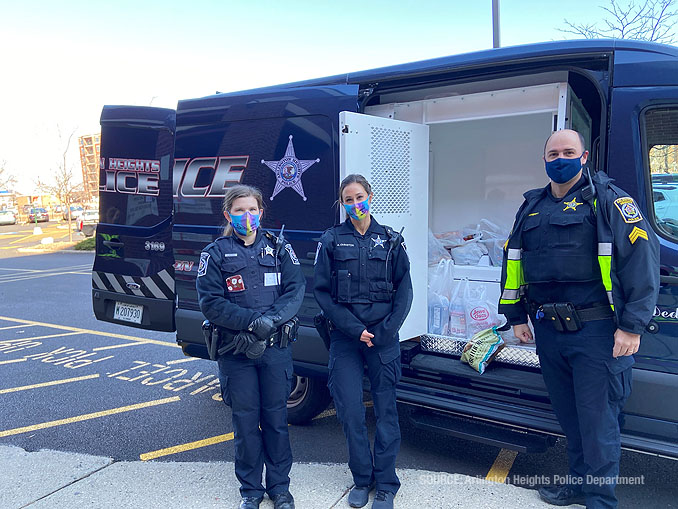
(249, 285)
(362, 284)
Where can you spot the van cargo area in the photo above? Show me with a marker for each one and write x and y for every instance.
(485, 151)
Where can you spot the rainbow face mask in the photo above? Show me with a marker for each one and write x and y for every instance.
(246, 223)
(358, 211)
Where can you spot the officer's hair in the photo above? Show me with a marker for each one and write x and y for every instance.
(239, 191)
(581, 140)
(354, 178)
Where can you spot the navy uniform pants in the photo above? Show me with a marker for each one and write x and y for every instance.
(257, 392)
(588, 388)
(348, 358)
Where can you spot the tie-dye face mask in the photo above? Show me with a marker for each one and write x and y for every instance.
(246, 223)
(358, 211)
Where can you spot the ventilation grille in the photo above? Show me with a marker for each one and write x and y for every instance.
(390, 170)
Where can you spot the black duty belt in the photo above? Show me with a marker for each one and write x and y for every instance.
(565, 317)
(595, 313)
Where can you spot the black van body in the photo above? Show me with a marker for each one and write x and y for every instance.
(164, 173)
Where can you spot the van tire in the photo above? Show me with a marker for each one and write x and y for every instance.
(309, 397)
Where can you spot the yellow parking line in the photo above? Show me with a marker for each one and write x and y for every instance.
(48, 384)
(94, 332)
(501, 466)
(186, 447)
(85, 417)
(13, 361)
(16, 326)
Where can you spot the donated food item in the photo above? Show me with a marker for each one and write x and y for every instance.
(480, 312)
(482, 348)
(438, 311)
(436, 250)
(469, 253)
(457, 321)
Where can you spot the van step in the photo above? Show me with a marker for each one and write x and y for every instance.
(485, 433)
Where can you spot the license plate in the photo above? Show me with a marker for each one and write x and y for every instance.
(128, 312)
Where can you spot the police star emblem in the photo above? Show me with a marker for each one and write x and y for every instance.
(572, 205)
(268, 250)
(288, 171)
(378, 241)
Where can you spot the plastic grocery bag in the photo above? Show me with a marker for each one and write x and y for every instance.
(436, 250)
(457, 318)
(469, 253)
(439, 290)
(493, 238)
(480, 313)
(482, 348)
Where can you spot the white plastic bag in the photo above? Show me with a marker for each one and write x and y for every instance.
(438, 297)
(436, 250)
(480, 313)
(457, 317)
(493, 238)
(469, 253)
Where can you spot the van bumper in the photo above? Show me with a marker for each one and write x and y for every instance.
(158, 314)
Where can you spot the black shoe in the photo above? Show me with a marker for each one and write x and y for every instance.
(283, 500)
(250, 502)
(383, 500)
(359, 495)
(561, 494)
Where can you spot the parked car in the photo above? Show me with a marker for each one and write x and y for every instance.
(76, 212)
(7, 217)
(38, 215)
(87, 223)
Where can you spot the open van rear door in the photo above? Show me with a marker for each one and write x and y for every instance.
(393, 156)
(133, 273)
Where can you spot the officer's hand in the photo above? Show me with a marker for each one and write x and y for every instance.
(625, 343)
(242, 341)
(523, 333)
(263, 327)
(366, 337)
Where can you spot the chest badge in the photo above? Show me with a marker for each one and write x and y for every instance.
(268, 250)
(235, 283)
(378, 241)
(572, 205)
(288, 171)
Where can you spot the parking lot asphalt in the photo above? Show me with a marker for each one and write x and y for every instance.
(71, 384)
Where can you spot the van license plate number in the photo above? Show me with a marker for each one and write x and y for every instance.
(128, 312)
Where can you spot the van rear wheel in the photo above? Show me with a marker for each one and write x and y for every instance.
(309, 398)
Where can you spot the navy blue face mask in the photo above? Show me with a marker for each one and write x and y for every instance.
(563, 170)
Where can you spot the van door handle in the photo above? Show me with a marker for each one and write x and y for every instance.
(113, 244)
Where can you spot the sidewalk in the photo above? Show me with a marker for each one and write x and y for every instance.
(51, 479)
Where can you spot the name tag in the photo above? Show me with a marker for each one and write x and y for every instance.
(230, 255)
(272, 279)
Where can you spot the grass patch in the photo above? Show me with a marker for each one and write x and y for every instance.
(88, 244)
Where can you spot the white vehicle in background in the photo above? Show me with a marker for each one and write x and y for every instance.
(7, 217)
(87, 223)
(76, 212)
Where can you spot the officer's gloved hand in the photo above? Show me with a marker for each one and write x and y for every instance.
(262, 326)
(242, 342)
(256, 349)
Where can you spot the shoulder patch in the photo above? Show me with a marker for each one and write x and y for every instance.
(204, 260)
(628, 209)
(293, 255)
(317, 252)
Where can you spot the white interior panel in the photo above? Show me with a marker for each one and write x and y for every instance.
(393, 156)
(481, 168)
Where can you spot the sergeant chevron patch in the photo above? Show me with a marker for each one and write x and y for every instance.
(637, 233)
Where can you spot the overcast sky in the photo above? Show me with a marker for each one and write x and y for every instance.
(60, 62)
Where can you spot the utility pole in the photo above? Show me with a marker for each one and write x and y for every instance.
(495, 24)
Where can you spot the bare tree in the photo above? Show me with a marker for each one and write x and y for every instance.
(7, 179)
(644, 20)
(61, 184)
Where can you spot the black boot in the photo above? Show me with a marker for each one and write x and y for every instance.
(283, 500)
(561, 494)
(250, 502)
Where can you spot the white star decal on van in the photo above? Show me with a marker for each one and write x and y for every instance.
(288, 171)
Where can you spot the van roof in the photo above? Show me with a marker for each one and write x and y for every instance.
(487, 57)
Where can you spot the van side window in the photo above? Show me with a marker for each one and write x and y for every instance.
(661, 142)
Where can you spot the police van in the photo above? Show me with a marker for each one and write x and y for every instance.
(445, 143)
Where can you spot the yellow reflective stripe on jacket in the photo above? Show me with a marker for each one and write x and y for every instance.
(514, 279)
(605, 262)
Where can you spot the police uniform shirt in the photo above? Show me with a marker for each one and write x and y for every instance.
(238, 283)
(356, 288)
(560, 246)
